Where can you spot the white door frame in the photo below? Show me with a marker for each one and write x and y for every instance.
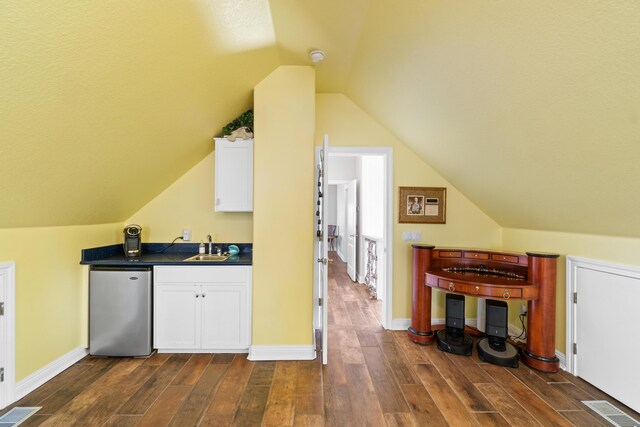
(7, 333)
(353, 240)
(387, 153)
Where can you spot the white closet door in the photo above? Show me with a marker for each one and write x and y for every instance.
(607, 346)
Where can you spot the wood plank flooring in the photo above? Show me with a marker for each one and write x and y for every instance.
(374, 378)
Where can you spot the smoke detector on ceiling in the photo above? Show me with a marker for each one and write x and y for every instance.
(316, 56)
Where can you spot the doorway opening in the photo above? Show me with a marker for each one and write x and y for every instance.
(359, 205)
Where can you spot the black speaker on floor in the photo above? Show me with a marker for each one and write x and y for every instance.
(494, 348)
(452, 338)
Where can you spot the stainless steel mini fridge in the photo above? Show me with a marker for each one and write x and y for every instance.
(120, 311)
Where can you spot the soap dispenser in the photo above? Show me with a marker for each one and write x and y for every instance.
(201, 248)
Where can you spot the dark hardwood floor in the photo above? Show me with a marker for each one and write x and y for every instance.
(374, 377)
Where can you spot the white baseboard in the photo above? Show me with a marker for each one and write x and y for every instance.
(202, 350)
(513, 330)
(282, 352)
(44, 374)
(399, 324)
(563, 360)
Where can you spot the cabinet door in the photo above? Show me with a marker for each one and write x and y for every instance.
(176, 316)
(234, 176)
(224, 317)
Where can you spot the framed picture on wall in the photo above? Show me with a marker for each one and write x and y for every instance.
(423, 205)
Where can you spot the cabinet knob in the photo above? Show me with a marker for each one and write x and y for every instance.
(204, 295)
(197, 296)
(452, 287)
(506, 294)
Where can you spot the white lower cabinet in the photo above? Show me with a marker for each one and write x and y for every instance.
(202, 308)
(177, 313)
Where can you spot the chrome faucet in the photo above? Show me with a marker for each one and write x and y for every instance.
(210, 243)
(218, 250)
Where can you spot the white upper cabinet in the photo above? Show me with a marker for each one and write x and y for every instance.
(234, 175)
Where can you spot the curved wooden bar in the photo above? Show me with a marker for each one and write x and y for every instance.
(479, 286)
(420, 330)
(495, 275)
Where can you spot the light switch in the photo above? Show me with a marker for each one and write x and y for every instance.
(186, 234)
(411, 236)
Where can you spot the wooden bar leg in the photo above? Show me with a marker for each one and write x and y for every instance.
(420, 330)
(540, 351)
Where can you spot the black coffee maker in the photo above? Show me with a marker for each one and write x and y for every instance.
(132, 240)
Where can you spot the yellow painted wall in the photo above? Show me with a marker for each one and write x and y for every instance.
(284, 105)
(531, 108)
(99, 98)
(467, 226)
(188, 203)
(51, 289)
(613, 249)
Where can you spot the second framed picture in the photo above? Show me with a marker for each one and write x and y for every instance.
(424, 205)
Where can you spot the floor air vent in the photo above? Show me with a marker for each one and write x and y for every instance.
(17, 415)
(610, 413)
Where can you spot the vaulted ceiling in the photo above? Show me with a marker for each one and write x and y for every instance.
(531, 109)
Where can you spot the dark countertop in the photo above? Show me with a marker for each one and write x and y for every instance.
(162, 254)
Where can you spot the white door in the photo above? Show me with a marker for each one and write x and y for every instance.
(322, 248)
(224, 316)
(176, 316)
(3, 339)
(3, 283)
(608, 349)
(352, 237)
(7, 333)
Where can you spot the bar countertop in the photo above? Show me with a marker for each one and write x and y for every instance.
(162, 254)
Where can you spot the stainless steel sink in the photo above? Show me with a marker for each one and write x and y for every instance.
(207, 258)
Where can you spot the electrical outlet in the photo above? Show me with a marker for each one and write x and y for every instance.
(523, 308)
(186, 234)
(417, 236)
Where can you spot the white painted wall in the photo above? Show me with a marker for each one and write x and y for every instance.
(341, 219)
(331, 204)
(370, 176)
(368, 171)
(361, 250)
(342, 168)
(372, 214)
(372, 201)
